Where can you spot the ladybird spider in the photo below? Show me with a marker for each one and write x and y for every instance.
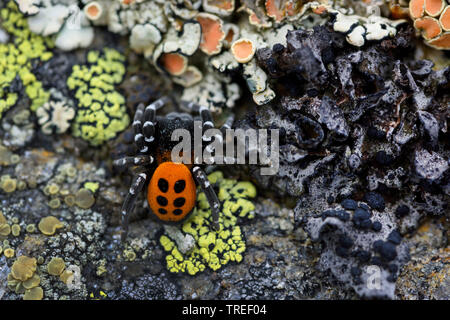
(171, 189)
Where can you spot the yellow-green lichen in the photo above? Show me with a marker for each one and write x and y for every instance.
(84, 198)
(34, 294)
(53, 189)
(48, 225)
(93, 186)
(15, 230)
(5, 229)
(69, 200)
(101, 295)
(16, 60)
(54, 203)
(102, 111)
(2, 218)
(56, 266)
(9, 252)
(23, 268)
(129, 255)
(30, 228)
(8, 185)
(32, 282)
(213, 249)
(65, 276)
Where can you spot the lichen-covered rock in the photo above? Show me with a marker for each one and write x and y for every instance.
(362, 248)
(16, 75)
(101, 112)
(212, 249)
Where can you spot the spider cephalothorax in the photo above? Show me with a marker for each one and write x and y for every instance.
(171, 187)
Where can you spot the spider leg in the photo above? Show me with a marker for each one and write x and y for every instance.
(141, 160)
(207, 119)
(128, 205)
(228, 124)
(144, 131)
(205, 115)
(150, 118)
(137, 126)
(214, 203)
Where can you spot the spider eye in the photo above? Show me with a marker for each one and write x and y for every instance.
(163, 185)
(179, 186)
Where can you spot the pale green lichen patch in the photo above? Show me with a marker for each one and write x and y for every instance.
(101, 111)
(213, 249)
(16, 60)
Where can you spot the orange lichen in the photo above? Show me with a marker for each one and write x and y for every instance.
(230, 35)
(434, 7)
(93, 10)
(222, 4)
(255, 20)
(444, 20)
(442, 42)
(243, 50)
(416, 8)
(398, 12)
(319, 9)
(212, 33)
(275, 10)
(293, 7)
(174, 63)
(429, 26)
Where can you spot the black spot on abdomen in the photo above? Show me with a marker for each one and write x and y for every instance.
(179, 202)
(177, 212)
(179, 186)
(162, 211)
(162, 201)
(163, 185)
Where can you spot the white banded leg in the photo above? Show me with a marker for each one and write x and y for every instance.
(207, 118)
(150, 118)
(205, 115)
(214, 203)
(128, 205)
(228, 124)
(142, 160)
(137, 126)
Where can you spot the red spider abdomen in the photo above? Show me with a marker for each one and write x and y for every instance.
(171, 192)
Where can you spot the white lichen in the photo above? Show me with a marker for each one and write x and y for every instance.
(55, 116)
